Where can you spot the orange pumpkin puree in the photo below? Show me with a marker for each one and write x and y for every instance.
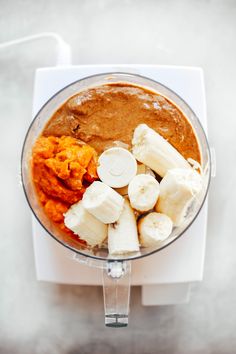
(62, 167)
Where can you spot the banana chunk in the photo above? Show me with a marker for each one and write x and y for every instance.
(123, 235)
(89, 229)
(154, 228)
(178, 189)
(143, 192)
(153, 150)
(103, 202)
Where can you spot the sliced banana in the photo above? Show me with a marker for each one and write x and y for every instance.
(153, 150)
(82, 223)
(123, 235)
(178, 189)
(141, 169)
(143, 192)
(116, 167)
(103, 202)
(154, 228)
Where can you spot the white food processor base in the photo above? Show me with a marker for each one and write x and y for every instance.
(166, 276)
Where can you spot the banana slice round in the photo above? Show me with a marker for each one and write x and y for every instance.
(103, 202)
(154, 228)
(90, 229)
(143, 192)
(141, 169)
(116, 167)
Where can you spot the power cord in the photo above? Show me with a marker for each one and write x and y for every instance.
(63, 48)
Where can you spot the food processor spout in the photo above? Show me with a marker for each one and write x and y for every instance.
(116, 292)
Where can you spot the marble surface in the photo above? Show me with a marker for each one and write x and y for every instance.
(41, 318)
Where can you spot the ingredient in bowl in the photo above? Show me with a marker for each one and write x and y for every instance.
(154, 228)
(141, 169)
(103, 202)
(143, 192)
(60, 166)
(153, 150)
(82, 223)
(178, 189)
(103, 115)
(116, 167)
(61, 169)
(55, 210)
(123, 235)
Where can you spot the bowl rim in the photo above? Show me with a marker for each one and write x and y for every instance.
(117, 73)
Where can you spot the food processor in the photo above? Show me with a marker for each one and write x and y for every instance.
(116, 270)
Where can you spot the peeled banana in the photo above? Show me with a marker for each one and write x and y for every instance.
(141, 169)
(178, 189)
(90, 229)
(116, 167)
(143, 192)
(103, 202)
(154, 228)
(123, 235)
(153, 150)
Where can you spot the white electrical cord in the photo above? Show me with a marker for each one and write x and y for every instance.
(63, 48)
